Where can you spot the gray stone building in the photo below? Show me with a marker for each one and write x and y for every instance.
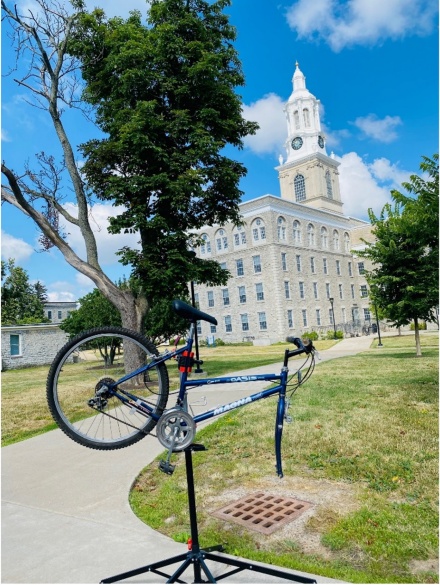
(57, 311)
(293, 263)
(30, 345)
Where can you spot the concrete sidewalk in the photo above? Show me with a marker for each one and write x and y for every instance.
(65, 511)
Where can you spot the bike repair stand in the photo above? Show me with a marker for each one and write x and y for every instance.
(196, 555)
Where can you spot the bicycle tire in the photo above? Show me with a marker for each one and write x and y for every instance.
(76, 393)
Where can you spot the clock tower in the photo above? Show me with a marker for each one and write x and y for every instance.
(308, 175)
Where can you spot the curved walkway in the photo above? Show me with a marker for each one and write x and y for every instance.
(65, 511)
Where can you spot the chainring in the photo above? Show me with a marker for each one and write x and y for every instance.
(176, 429)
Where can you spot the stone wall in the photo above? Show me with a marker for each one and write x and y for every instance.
(33, 345)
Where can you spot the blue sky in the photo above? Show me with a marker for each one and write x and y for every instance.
(372, 63)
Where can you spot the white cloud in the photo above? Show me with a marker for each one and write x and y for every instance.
(16, 248)
(268, 112)
(381, 130)
(118, 8)
(343, 23)
(108, 244)
(365, 186)
(5, 136)
(61, 296)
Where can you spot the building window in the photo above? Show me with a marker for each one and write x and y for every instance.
(283, 261)
(296, 119)
(318, 316)
(341, 294)
(199, 328)
(352, 291)
(324, 265)
(344, 315)
(239, 266)
(223, 265)
(239, 237)
(213, 329)
(290, 318)
(287, 289)
(14, 344)
(327, 290)
(221, 240)
(364, 291)
(300, 188)
(196, 300)
(259, 290)
(311, 234)
(315, 290)
(281, 227)
(346, 242)
(324, 238)
(312, 265)
(242, 294)
(258, 230)
(60, 315)
(296, 232)
(304, 316)
(228, 324)
(338, 267)
(330, 316)
(262, 321)
(306, 115)
(49, 315)
(210, 298)
(298, 263)
(335, 240)
(367, 315)
(328, 181)
(350, 269)
(225, 293)
(301, 290)
(361, 268)
(205, 248)
(257, 264)
(244, 322)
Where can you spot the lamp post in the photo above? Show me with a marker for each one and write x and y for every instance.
(331, 299)
(378, 328)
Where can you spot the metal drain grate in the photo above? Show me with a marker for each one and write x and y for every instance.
(263, 513)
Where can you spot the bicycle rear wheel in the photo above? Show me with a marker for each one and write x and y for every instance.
(78, 382)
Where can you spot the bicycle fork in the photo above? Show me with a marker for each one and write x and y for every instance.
(279, 422)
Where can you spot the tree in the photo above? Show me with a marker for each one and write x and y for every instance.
(21, 301)
(165, 98)
(161, 159)
(404, 279)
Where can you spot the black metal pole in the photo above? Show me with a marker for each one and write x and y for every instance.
(380, 344)
(198, 369)
(333, 317)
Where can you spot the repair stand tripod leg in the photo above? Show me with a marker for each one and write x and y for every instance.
(197, 556)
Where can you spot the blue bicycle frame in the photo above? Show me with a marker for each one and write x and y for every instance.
(185, 385)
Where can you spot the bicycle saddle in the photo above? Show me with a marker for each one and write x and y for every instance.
(188, 312)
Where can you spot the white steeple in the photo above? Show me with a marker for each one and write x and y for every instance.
(304, 134)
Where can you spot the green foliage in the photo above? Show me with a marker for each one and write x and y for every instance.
(22, 302)
(94, 311)
(333, 335)
(165, 98)
(312, 335)
(404, 279)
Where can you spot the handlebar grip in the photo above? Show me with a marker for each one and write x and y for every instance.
(296, 341)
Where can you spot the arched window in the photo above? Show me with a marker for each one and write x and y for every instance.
(346, 242)
(239, 236)
(306, 115)
(328, 181)
(258, 230)
(221, 240)
(205, 248)
(296, 119)
(300, 188)
(324, 237)
(281, 227)
(296, 232)
(336, 239)
(311, 234)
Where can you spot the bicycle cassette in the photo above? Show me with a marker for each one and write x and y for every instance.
(176, 429)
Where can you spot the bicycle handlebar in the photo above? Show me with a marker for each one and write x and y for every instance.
(304, 347)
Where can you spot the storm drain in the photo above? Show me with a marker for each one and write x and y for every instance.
(263, 513)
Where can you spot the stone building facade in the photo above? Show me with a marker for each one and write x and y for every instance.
(30, 345)
(57, 311)
(293, 263)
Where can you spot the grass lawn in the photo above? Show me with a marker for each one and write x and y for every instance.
(362, 448)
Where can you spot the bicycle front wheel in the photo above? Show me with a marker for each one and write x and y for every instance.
(82, 379)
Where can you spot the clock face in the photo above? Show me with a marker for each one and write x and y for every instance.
(321, 141)
(297, 143)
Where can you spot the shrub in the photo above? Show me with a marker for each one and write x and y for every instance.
(422, 326)
(331, 335)
(312, 335)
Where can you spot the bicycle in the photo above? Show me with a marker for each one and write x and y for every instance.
(108, 388)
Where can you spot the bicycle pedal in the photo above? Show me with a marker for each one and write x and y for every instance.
(288, 419)
(166, 467)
